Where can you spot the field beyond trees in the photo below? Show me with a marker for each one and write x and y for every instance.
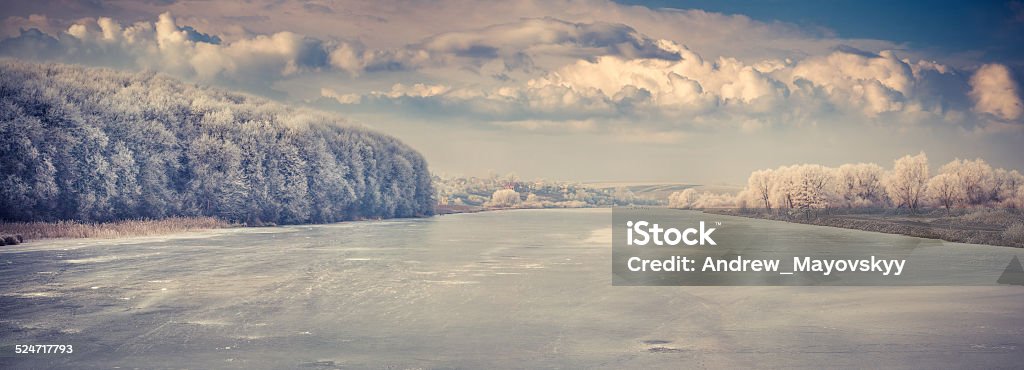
(1004, 227)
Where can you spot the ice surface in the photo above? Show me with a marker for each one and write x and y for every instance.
(523, 289)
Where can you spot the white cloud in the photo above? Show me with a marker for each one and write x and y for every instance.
(389, 25)
(724, 92)
(549, 36)
(544, 76)
(166, 46)
(995, 92)
(611, 63)
(341, 98)
(397, 91)
(874, 83)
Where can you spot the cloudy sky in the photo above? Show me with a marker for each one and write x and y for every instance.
(693, 91)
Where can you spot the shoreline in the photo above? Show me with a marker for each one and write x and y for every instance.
(927, 225)
(41, 230)
(477, 209)
(72, 230)
(952, 228)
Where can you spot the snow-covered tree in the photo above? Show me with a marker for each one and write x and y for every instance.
(760, 185)
(1005, 186)
(944, 189)
(908, 180)
(624, 196)
(784, 186)
(860, 185)
(682, 199)
(98, 145)
(690, 198)
(975, 178)
(504, 198)
(812, 187)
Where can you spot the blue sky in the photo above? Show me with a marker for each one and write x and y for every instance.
(995, 28)
(588, 89)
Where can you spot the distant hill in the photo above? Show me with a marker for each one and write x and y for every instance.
(661, 190)
(90, 144)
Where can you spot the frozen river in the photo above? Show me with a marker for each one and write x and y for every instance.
(520, 289)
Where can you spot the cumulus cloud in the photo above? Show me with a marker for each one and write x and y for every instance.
(191, 51)
(549, 36)
(995, 92)
(166, 46)
(356, 59)
(687, 84)
(397, 91)
(690, 89)
(874, 83)
(14, 26)
(387, 24)
(609, 67)
(515, 44)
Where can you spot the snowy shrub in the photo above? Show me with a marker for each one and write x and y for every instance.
(1014, 233)
(504, 198)
(690, 198)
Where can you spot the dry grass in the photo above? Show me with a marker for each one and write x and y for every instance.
(118, 229)
(1015, 233)
(1002, 227)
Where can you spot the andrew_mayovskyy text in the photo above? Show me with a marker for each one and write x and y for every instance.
(824, 266)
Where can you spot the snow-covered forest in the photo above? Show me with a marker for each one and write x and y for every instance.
(908, 184)
(96, 145)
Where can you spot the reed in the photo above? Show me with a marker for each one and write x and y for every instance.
(116, 229)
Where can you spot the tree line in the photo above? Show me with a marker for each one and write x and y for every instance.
(958, 184)
(90, 144)
(507, 191)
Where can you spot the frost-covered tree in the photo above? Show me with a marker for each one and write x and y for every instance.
(784, 186)
(908, 180)
(760, 184)
(1005, 186)
(945, 190)
(1018, 198)
(860, 185)
(504, 198)
(623, 195)
(97, 145)
(683, 199)
(690, 198)
(810, 186)
(976, 180)
(813, 187)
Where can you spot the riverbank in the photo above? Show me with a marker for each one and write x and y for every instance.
(24, 231)
(109, 230)
(450, 210)
(441, 210)
(992, 227)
